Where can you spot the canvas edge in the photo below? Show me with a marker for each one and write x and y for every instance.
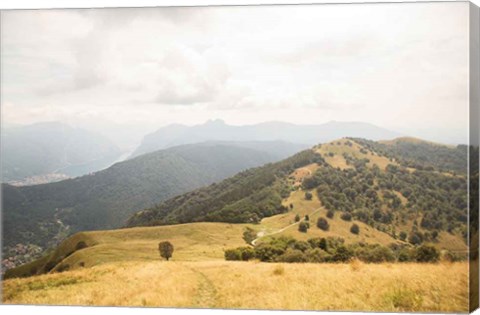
(474, 100)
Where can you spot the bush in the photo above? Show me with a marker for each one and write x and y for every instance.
(165, 249)
(81, 245)
(308, 195)
(346, 216)
(297, 217)
(403, 236)
(330, 214)
(247, 253)
(355, 229)
(279, 270)
(63, 268)
(233, 254)
(249, 235)
(374, 254)
(426, 253)
(318, 243)
(301, 245)
(342, 254)
(318, 255)
(292, 256)
(267, 252)
(322, 224)
(405, 255)
(303, 227)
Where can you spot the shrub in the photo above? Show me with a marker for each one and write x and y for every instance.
(81, 245)
(165, 249)
(50, 265)
(322, 224)
(267, 252)
(297, 217)
(405, 255)
(307, 218)
(330, 214)
(308, 195)
(247, 253)
(318, 255)
(342, 254)
(374, 254)
(355, 229)
(318, 243)
(233, 254)
(63, 268)
(346, 216)
(303, 227)
(278, 270)
(426, 253)
(292, 256)
(403, 236)
(301, 245)
(249, 235)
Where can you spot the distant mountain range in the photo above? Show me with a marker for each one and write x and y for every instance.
(218, 130)
(44, 214)
(47, 148)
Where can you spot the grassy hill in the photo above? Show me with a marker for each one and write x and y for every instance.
(44, 214)
(381, 188)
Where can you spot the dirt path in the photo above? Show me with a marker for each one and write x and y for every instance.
(262, 233)
(206, 296)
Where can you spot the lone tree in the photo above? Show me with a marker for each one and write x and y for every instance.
(165, 249)
(322, 224)
(303, 227)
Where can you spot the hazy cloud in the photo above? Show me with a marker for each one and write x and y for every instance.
(403, 66)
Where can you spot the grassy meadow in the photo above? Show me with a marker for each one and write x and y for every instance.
(252, 285)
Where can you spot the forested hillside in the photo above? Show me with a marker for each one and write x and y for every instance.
(395, 188)
(44, 214)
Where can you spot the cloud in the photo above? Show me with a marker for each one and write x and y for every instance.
(378, 63)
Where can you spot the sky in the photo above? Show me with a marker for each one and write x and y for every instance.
(399, 66)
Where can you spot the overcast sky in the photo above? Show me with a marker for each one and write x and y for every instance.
(399, 66)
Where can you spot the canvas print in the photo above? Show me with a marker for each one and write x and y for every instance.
(282, 157)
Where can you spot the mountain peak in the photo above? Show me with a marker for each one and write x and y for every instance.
(215, 122)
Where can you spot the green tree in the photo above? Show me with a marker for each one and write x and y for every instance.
(297, 217)
(355, 229)
(426, 253)
(165, 249)
(249, 235)
(330, 214)
(322, 224)
(303, 227)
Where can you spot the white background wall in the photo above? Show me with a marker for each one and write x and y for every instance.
(59, 310)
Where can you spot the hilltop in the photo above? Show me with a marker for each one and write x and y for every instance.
(390, 189)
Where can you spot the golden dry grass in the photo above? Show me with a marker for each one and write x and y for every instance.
(339, 147)
(253, 285)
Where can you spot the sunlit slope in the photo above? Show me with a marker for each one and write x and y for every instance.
(192, 242)
(403, 287)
